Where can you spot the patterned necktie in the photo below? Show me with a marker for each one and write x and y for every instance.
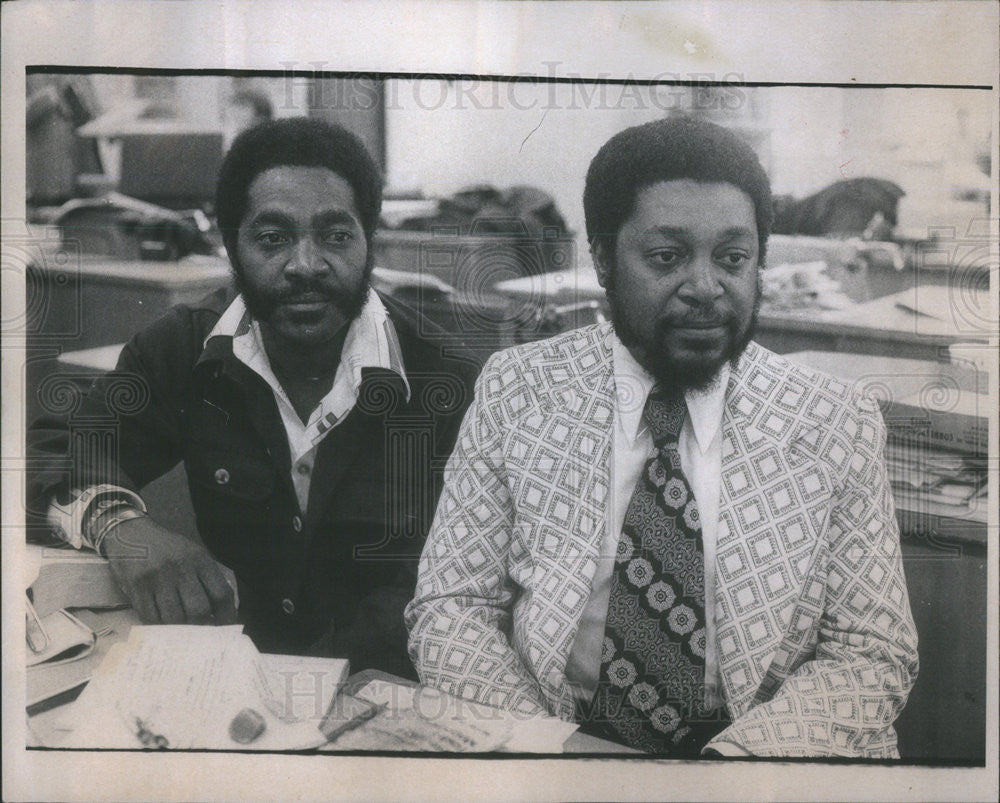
(652, 683)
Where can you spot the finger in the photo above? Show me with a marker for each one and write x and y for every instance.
(139, 592)
(168, 604)
(220, 594)
(194, 601)
(144, 605)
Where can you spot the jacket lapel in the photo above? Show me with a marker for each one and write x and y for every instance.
(577, 418)
(336, 452)
(382, 395)
(773, 507)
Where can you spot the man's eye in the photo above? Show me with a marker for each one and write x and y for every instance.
(271, 239)
(338, 237)
(665, 259)
(734, 259)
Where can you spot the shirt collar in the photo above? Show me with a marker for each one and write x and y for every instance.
(633, 384)
(371, 341)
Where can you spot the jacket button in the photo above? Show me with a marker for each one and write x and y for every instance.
(288, 606)
(297, 524)
(222, 476)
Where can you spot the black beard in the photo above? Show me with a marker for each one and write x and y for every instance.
(261, 305)
(679, 374)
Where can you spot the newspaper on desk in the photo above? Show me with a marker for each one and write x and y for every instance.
(423, 719)
(181, 687)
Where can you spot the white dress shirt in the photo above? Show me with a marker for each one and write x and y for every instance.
(700, 447)
(371, 342)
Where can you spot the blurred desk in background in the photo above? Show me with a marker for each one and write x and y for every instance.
(76, 302)
(80, 301)
(921, 322)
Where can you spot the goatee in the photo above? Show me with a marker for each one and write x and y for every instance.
(682, 374)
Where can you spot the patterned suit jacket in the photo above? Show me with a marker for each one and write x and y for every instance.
(816, 642)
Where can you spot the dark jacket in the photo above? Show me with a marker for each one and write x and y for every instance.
(344, 571)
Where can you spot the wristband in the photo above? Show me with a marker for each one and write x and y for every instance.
(97, 509)
(69, 520)
(102, 499)
(120, 514)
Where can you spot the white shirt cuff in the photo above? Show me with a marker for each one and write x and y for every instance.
(67, 520)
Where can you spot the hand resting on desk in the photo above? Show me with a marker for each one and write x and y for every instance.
(168, 578)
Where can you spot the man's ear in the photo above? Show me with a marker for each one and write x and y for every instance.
(602, 252)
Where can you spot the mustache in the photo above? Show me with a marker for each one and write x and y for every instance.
(698, 317)
(305, 290)
(264, 301)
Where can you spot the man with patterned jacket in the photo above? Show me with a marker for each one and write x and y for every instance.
(658, 528)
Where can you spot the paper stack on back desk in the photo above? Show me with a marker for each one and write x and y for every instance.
(937, 419)
(180, 687)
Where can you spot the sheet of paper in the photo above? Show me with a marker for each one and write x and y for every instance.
(180, 687)
(46, 681)
(539, 735)
(303, 687)
(66, 639)
(422, 719)
(72, 579)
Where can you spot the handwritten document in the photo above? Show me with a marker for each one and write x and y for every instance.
(180, 687)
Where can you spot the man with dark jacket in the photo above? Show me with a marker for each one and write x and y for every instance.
(312, 416)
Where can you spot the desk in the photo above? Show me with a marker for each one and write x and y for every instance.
(889, 326)
(84, 300)
(42, 726)
(79, 302)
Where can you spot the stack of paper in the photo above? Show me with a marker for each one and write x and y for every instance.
(937, 420)
(937, 482)
(801, 287)
(181, 687)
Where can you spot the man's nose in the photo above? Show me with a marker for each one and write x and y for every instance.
(701, 284)
(307, 259)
